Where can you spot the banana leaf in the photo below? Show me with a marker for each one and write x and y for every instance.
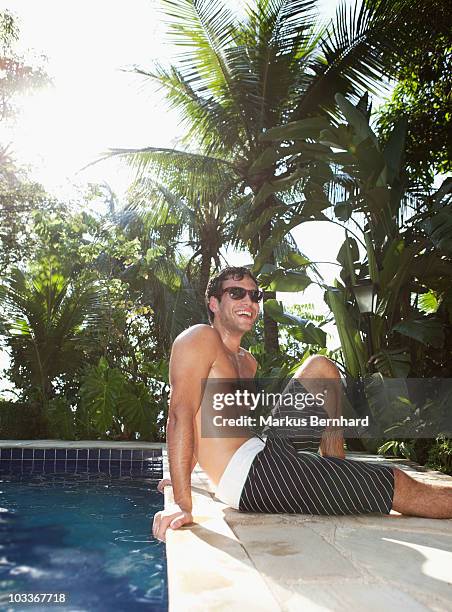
(286, 280)
(301, 329)
(305, 128)
(395, 363)
(352, 346)
(428, 331)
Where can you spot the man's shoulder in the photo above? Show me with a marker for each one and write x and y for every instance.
(197, 335)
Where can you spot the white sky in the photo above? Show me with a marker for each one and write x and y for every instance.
(93, 105)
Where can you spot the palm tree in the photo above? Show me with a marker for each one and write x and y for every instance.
(43, 316)
(236, 79)
(204, 226)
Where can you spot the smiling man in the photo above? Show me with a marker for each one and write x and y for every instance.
(280, 474)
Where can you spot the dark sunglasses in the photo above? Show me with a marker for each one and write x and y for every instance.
(238, 293)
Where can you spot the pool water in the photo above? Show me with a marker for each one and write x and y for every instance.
(87, 536)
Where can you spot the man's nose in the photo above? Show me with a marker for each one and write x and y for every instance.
(247, 301)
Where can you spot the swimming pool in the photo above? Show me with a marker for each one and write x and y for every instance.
(84, 539)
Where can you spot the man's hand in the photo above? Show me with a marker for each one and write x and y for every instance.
(165, 482)
(173, 518)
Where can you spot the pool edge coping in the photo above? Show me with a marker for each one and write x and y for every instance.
(221, 575)
(81, 444)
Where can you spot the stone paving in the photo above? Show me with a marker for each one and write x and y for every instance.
(234, 561)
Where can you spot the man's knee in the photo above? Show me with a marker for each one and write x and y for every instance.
(406, 490)
(317, 366)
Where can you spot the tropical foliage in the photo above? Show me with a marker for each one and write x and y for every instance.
(400, 241)
(235, 79)
(422, 93)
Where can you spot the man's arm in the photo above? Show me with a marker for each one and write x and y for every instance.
(166, 482)
(192, 357)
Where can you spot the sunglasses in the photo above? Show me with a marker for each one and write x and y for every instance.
(238, 293)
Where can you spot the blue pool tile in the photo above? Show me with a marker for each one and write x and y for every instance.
(126, 466)
(5, 465)
(137, 467)
(38, 465)
(82, 465)
(104, 466)
(93, 465)
(60, 466)
(109, 461)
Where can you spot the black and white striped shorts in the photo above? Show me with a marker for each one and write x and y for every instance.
(282, 480)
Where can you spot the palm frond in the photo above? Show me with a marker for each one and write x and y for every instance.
(157, 206)
(198, 175)
(351, 58)
(203, 29)
(208, 122)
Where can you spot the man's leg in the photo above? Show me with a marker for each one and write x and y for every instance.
(415, 498)
(318, 374)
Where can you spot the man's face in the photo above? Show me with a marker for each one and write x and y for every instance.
(236, 315)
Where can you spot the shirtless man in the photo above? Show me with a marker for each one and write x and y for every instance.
(257, 476)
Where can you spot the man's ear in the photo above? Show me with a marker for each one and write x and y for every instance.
(214, 303)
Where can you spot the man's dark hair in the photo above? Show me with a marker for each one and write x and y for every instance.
(215, 284)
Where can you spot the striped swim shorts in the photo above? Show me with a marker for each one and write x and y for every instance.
(282, 480)
(289, 476)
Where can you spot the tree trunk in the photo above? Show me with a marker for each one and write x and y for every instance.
(271, 339)
(204, 272)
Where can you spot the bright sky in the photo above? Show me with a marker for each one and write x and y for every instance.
(94, 105)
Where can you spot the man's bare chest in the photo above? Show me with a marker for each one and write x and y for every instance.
(231, 366)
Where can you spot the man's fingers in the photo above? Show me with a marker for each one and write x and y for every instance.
(176, 523)
(162, 526)
(155, 524)
(163, 483)
(164, 520)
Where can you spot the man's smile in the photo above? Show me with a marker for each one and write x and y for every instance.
(245, 312)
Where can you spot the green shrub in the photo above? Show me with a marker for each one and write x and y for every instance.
(111, 406)
(21, 421)
(440, 455)
(435, 454)
(60, 419)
